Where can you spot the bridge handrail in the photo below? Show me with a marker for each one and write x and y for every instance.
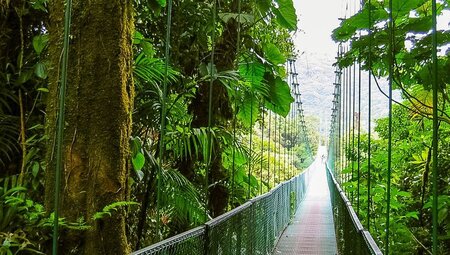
(171, 241)
(360, 241)
(252, 228)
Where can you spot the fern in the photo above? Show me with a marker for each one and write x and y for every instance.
(181, 195)
(109, 209)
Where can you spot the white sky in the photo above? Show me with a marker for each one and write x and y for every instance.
(318, 18)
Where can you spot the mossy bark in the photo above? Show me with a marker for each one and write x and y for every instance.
(98, 121)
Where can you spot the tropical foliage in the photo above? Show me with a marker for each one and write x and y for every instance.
(412, 133)
(252, 44)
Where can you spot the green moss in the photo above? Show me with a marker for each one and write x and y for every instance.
(98, 116)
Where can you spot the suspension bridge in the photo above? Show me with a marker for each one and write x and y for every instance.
(312, 213)
(307, 214)
(316, 211)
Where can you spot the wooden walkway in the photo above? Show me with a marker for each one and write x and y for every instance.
(312, 229)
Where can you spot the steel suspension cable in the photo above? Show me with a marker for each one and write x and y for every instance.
(233, 152)
(342, 123)
(269, 127)
(238, 47)
(358, 205)
(279, 148)
(344, 126)
(347, 120)
(275, 152)
(262, 150)
(353, 127)
(347, 132)
(358, 185)
(251, 123)
(391, 50)
(369, 139)
(349, 117)
(249, 173)
(338, 117)
(435, 129)
(294, 125)
(210, 100)
(291, 121)
(284, 148)
(163, 118)
(60, 123)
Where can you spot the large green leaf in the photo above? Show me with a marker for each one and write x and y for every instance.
(248, 110)
(280, 98)
(252, 73)
(359, 21)
(402, 7)
(263, 6)
(285, 14)
(273, 54)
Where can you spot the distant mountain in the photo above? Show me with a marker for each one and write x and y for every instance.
(316, 78)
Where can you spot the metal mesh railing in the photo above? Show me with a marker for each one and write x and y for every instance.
(252, 228)
(192, 241)
(351, 236)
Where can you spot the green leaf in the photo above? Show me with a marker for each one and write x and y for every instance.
(402, 7)
(414, 215)
(138, 37)
(43, 90)
(285, 14)
(242, 18)
(273, 54)
(280, 99)
(35, 169)
(248, 110)
(253, 74)
(24, 77)
(39, 43)
(162, 3)
(138, 161)
(40, 70)
(442, 215)
(263, 6)
(404, 194)
(148, 49)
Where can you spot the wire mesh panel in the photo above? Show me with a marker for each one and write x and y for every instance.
(252, 228)
(351, 236)
(263, 211)
(231, 233)
(190, 242)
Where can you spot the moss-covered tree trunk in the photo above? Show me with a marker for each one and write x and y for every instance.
(98, 121)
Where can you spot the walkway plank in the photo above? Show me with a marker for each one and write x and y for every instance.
(312, 230)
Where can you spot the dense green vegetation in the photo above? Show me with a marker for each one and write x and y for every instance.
(114, 102)
(412, 124)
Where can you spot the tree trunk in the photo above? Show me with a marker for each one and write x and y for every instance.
(98, 121)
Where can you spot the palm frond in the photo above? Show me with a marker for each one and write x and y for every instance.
(183, 196)
(152, 70)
